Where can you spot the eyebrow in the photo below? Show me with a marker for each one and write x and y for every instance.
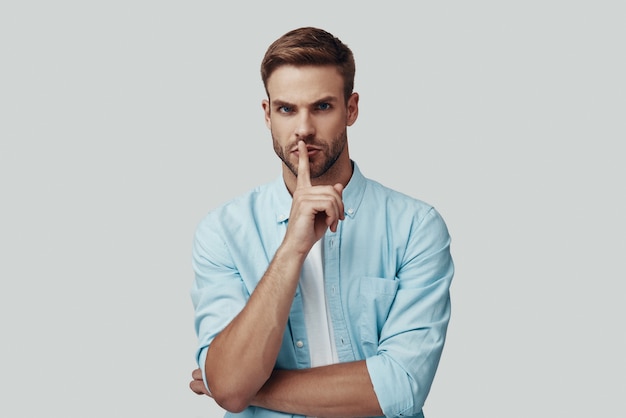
(280, 103)
(327, 99)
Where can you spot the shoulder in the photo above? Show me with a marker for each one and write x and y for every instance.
(401, 211)
(395, 200)
(254, 208)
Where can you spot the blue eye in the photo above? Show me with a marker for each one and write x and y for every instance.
(323, 106)
(285, 109)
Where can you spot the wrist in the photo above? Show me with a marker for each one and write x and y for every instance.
(292, 251)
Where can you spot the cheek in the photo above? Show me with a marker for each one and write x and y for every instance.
(335, 130)
(281, 131)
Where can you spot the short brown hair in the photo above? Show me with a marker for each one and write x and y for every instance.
(310, 46)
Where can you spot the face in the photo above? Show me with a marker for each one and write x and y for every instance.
(307, 103)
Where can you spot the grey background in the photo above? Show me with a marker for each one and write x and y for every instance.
(123, 122)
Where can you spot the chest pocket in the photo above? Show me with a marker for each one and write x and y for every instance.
(376, 296)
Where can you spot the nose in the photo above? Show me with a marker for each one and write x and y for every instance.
(305, 126)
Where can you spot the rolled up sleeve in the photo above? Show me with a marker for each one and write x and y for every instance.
(217, 292)
(412, 338)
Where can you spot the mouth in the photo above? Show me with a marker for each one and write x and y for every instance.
(311, 151)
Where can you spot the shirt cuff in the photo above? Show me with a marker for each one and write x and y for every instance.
(201, 363)
(393, 387)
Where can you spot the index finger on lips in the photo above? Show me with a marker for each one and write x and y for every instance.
(304, 174)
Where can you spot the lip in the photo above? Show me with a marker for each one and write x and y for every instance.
(311, 151)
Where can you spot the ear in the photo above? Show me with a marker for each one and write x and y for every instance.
(353, 109)
(266, 111)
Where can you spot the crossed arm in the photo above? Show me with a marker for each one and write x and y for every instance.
(339, 390)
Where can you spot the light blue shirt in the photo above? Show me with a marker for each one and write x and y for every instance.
(387, 273)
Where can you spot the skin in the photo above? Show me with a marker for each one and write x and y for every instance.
(308, 118)
(307, 104)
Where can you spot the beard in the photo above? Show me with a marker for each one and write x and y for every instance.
(329, 151)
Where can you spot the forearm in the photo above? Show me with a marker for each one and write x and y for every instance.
(339, 390)
(242, 357)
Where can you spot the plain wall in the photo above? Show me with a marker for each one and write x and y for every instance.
(123, 122)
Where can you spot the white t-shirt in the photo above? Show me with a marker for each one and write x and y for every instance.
(319, 329)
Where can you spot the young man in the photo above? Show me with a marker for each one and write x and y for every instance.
(322, 293)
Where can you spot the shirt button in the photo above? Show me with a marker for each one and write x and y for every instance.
(299, 344)
(350, 211)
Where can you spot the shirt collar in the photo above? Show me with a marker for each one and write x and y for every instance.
(352, 195)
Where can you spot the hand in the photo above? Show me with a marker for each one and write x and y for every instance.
(197, 384)
(314, 208)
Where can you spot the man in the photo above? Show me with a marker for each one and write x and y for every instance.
(322, 293)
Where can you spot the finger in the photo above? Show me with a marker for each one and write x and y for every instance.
(197, 374)
(304, 173)
(330, 207)
(198, 388)
(340, 208)
(339, 189)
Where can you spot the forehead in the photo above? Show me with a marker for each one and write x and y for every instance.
(295, 84)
